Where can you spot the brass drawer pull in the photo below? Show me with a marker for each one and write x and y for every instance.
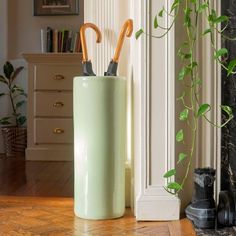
(58, 104)
(58, 131)
(59, 77)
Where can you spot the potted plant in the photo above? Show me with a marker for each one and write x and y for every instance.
(13, 129)
(191, 13)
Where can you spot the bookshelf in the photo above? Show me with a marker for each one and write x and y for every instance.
(60, 40)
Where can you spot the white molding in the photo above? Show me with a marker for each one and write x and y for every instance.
(217, 102)
(209, 142)
(152, 201)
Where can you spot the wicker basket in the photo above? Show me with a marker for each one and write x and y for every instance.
(15, 140)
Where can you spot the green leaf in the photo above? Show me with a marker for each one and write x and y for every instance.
(16, 72)
(155, 23)
(184, 71)
(220, 19)
(8, 69)
(221, 52)
(184, 115)
(20, 103)
(202, 7)
(231, 67)
(170, 173)
(227, 110)
(207, 31)
(193, 64)
(4, 121)
(23, 94)
(16, 88)
(184, 55)
(187, 55)
(174, 5)
(182, 157)
(3, 79)
(6, 118)
(174, 185)
(187, 17)
(212, 16)
(179, 136)
(197, 82)
(138, 33)
(160, 14)
(21, 120)
(203, 109)
(182, 74)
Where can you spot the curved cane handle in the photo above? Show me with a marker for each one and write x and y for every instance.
(83, 39)
(127, 31)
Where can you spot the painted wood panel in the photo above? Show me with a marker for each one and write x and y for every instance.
(154, 76)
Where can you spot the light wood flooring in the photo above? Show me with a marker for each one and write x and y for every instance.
(54, 217)
(37, 199)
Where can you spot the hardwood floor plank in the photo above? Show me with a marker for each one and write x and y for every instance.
(23, 212)
(55, 216)
(35, 178)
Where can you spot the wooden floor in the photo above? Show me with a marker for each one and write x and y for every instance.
(35, 178)
(54, 217)
(24, 213)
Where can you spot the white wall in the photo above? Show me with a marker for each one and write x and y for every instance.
(24, 28)
(3, 56)
(20, 32)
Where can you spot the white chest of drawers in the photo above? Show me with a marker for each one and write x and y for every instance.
(49, 114)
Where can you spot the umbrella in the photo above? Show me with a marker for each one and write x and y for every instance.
(87, 65)
(126, 30)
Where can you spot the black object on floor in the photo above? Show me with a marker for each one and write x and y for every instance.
(202, 210)
(226, 215)
(230, 231)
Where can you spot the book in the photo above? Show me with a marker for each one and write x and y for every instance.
(49, 46)
(58, 40)
(55, 40)
(65, 39)
(43, 40)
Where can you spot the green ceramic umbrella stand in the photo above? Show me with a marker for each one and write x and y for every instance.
(99, 146)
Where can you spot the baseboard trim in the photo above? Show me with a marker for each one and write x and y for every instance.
(45, 154)
(157, 208)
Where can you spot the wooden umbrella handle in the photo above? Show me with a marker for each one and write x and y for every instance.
(83, 38)
(127, 31)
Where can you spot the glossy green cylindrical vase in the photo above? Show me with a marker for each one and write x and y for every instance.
(99, 146)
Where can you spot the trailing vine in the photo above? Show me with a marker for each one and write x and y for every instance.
(192, 110)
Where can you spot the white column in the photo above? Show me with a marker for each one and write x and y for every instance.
(154, 118)
(209, 143)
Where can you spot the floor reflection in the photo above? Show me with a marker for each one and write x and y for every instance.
(35, 178)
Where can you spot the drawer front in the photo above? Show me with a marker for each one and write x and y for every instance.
(55, 77)
(53, 104)
(53, 131)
